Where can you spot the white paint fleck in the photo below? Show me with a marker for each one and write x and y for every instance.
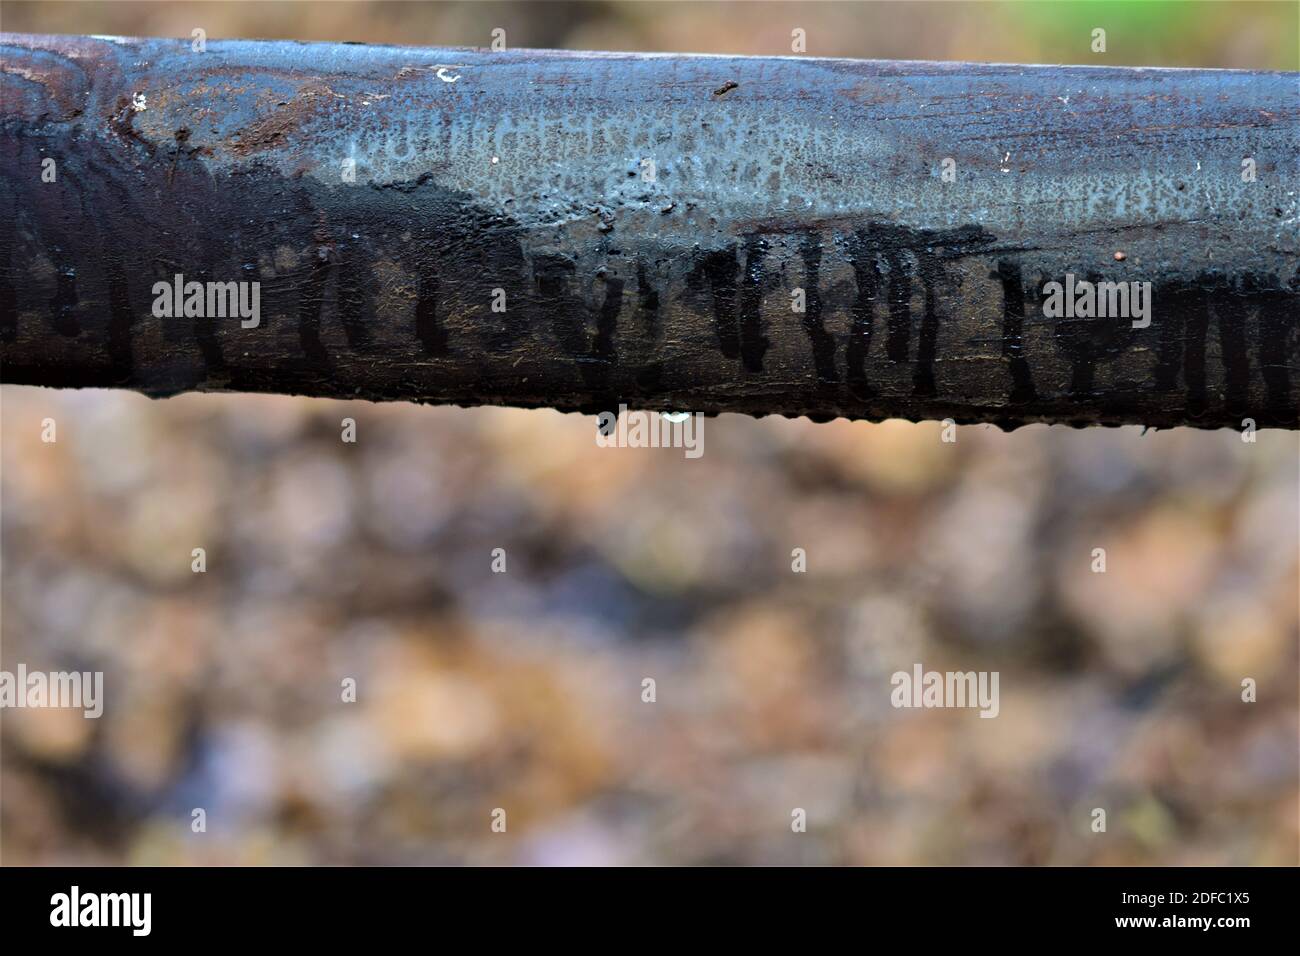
(447, 77)
(139, 102)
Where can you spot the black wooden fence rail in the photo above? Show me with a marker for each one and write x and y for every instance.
(577, 230)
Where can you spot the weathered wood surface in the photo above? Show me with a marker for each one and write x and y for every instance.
(527, 172)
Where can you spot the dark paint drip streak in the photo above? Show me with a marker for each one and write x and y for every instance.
(353, 294)
(552, 274)
(1231, 318)
(753, 344)
(311, 301)
(602, 348)
(898, 343)
(648, 299)
(923, 385)
(428, 327)
(120, 320)
(570, 318)
(823, 343)
(1276, 329)
(863, 315)
(718, 270)
(1196, 325)
(648, 377)
(1169, 350)
(1013, 320)
(1087, 342)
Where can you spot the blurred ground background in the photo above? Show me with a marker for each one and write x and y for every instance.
(523, 690)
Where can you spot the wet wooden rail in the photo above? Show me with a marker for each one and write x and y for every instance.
(579, 230)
